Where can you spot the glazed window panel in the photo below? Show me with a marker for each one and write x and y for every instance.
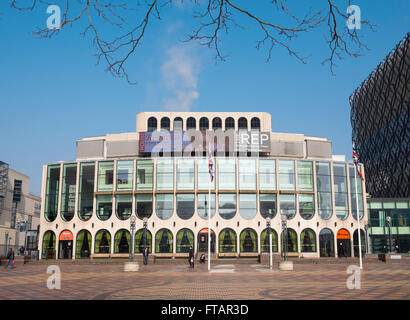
(227, 241)
(142, 241)
(265, 240)
(305, 175)
(145, 173)
(326, 243)
(324, 189)
(83, 247)
(104, 206)
(185, 239)
(227, 174)
(143, 205)
(227, 205)
(203, 205)
(291, 240)
(267, 174)
(308, 241)
(247, 174)
(286, 175)
(122, 241)
(102, 242)
(123, 203)
(164, 206)
(248, 241)
(52, 190)
(105, 175)
(247, 206)
(353, 183)
(164, 241)
(125, 175)
(165, 174)
(340, 187)
(306, 206)
(86, 191)
(49, 245)
(267, 205)
(185, 206)
(185, 174)
(203, 175)
(68, 191)
(288, 205)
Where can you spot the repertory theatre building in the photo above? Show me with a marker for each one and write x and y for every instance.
(159, 174)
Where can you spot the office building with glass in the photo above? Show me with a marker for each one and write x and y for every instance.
(164, 182)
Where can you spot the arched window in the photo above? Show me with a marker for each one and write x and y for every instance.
(203, 124)
(255, 124)
(152, 124)
(178, 124)
(163, 241)
(102, 242)
(143, 240)
(83, 247)
(326, 243)
(356, 243)
(308, 240)
(165, 123)
(123, 204)
(242, 124)
(185, 239)
(292, 240)
(185, 205)
(265, 240)
(122, 241)
(227, 241)
(191, 123)
(52, 191)
(248, 241)
(49, 245)
(143, 205)
(216, 123)
(229, 123)
(227, 205)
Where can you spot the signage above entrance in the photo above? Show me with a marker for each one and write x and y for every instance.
(66, 235)
(343, 234)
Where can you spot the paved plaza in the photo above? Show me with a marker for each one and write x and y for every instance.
(225, 281)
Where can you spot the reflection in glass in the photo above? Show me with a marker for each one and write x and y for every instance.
(125, 170)
(203, 205)
(164, 206)
(68, 191)
(267, 204)
(306, 206)
(227, 205)
(287, 175)
(143, 205)
(104, 206)
(185, 206)
(288, 205)
(247, 206)
(247, 174)
(124, 206)
(267, 179)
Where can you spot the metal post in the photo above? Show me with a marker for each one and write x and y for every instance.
(358, 219)
(388, 219)
(132, 228)
(270, 241)
(145, 232)
(284, 219)
(209, 225)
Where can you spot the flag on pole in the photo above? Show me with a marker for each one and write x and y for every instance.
(211, 165)
(356, 163)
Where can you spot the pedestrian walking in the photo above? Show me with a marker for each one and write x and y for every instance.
(145, 254)
(191, 257)
(10, 257)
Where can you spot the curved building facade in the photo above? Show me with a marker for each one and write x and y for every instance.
(88, 203)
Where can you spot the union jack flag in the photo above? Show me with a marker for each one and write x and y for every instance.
(356, 163)
(211, 165)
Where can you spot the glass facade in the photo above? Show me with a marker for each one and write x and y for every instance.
(247, 206)
(247, 174)
(203, 175)
(227, 205)
(102, 242)
(286, 175)
(267, 205)
(288, 205)
(185, 205)
(83, 246)
(164, 241)
(340, 187)
(353, 183)
(227, 241)
(125, 174)
(248, 241)
(267, 174)
(164, 206)
(324, 190)
(123, 203)
(104, 206)
(226, 174)
(68, 191)
(305, 175)
(105, 175)
(306, 206)
(308, 240)
(265, 240)
(143, 205)
(122, 241)
(86, 191)
(145, 174)
(203, 205)
(52, 190)
(186, 174)
(165, 174)
(143, 238)
(185, 239)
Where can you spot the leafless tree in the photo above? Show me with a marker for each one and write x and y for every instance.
(215, 17)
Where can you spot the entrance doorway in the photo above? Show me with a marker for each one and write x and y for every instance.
(65, 249)
(203, 241)
(343, 243)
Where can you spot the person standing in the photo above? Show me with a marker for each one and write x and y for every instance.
(191, 257)
(10, 256)
(145, 253)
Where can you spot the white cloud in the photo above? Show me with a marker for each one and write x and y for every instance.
(180, 75)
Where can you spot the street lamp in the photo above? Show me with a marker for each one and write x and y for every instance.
(284, 219)
(270, 241)
(145, 223)
(132, 228)
(388, 219)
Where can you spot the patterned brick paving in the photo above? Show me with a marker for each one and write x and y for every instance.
(307, 281)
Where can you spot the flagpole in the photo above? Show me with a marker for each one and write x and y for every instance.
(358, 215)
(209, 223)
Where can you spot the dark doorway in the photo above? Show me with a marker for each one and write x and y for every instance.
(65, 249)
(203, 241)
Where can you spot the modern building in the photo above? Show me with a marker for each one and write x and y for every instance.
(380, 118)
(389, 225)
(159, 175)
(19, 211)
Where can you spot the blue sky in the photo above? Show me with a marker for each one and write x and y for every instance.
(52, 93)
